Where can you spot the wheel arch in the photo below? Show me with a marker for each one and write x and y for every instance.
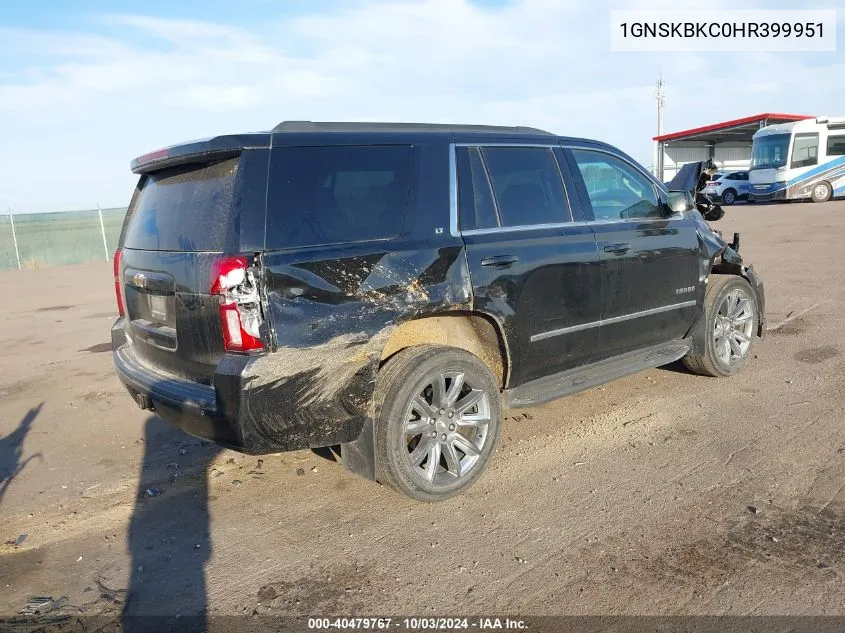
(475, 332)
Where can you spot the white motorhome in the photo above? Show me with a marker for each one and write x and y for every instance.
(799, 161)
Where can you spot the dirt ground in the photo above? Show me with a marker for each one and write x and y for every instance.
(663, 493)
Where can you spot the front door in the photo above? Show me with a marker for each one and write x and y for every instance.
(532, 268)
(649, 256)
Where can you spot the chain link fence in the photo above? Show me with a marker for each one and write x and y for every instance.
(41, 240)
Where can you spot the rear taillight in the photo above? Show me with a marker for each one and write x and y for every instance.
(240, 307)
(118, 290)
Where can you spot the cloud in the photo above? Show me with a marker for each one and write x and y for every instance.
(77, 106)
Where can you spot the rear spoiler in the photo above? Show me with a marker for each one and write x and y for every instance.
(200, 151)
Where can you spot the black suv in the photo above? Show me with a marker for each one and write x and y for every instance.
(388, 288)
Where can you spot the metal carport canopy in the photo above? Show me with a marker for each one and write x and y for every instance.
(736, 130)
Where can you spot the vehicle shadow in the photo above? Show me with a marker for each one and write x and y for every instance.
(329, 453)
(676, 367)
(11, 451)
(169, 533)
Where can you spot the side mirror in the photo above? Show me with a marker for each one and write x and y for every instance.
(680, 201)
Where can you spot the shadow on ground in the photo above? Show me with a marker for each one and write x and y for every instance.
(169, 533)
(676, 367)
(12, 462)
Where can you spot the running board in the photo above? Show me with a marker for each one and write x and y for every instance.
(574, 380)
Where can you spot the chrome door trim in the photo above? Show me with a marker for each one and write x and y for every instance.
(618, 319)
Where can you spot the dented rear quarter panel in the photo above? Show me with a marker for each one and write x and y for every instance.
(331, 311)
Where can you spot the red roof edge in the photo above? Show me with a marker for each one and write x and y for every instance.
(732, 123)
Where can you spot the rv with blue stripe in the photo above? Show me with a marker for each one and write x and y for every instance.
(799, 161)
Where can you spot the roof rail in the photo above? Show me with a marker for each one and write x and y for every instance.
(327, 126)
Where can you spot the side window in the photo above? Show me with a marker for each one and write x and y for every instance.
(615, 188)
(476, 209)
(836, 145)
(335, 194)
(805, 150)
(527, 185)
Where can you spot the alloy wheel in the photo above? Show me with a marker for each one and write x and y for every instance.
(446, 427)
(733, 326)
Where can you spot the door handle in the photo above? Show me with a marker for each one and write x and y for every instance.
(618, 247)
(500, 261)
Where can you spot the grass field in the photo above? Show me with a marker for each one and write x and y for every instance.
(57, 239)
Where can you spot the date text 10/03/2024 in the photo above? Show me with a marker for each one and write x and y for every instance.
(433, 624)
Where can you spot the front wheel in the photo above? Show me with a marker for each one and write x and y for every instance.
(729, 197)
(437, 418)
(731, 315)
(822, 192)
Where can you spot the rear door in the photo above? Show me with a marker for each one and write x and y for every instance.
(649, 257)
(533, 268)
(181, 221)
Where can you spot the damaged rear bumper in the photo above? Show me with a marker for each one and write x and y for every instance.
(206, 411)
(222, 412)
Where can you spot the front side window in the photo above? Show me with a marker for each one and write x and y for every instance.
(617, 191)
(336, 194)
(836, 145)
(805, 150)
(527, 185)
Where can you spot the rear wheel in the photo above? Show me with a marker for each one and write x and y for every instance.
(822, 192)
(730, 318)
(729, 196)
(437, 420)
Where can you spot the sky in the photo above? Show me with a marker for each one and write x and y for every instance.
(86, 86)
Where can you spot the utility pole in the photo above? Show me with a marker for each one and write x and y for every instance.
(658, 145)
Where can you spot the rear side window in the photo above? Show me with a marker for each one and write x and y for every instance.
(527, 185)
(836, 145)
(335, 194)
(184, 208)
(476, 208)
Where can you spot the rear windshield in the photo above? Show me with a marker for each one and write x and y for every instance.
(335, 194)
(184, 208)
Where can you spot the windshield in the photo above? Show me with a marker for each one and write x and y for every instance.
(769, 151)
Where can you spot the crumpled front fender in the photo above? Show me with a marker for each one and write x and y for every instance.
(720, 258)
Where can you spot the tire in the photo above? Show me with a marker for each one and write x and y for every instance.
(729, 196)
(729, 340)
(404, 404)
(822, 191)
